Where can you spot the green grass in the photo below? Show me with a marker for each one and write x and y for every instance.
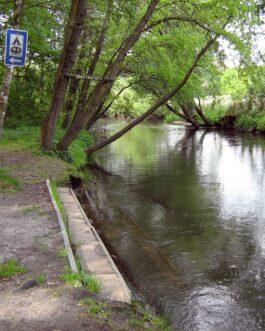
(91, 282)
(76, 152)
(41, 279)
(246, 119)
(215, 114)
(59, 202)
(136, 322)
(62, 252)
(78, 147)
(170, 117)
(100, 309)
(81, 278)
(27, 138)
(72, 278)
(10, 268)
(8, 183)
(41, 164)
(145, 316)
(137, 316)
(21, 138)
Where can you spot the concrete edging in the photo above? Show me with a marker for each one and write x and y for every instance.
(94, 257)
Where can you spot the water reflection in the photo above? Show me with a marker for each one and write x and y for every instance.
(185, 211)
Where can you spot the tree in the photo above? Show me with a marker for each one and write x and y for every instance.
(152, 44)
(158, 104)
(203, 15)
(215, 30)
(31, 86)
(4, 91)
(101, 90)
(67, 60)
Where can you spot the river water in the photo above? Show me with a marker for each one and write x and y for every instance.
(185, 213)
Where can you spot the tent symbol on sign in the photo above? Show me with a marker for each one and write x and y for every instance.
(16, 48)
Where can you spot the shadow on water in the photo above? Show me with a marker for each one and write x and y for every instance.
(184, 211)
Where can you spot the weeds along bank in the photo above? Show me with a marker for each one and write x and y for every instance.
(250, 120)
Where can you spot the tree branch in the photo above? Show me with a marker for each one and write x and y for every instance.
(183, 116)
(158, 104)
(181, 19)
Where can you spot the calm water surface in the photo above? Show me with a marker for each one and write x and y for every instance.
(185, 212)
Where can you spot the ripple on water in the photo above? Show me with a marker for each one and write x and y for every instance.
(215, 308)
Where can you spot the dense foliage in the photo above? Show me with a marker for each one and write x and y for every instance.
(32, 84)
(153, 65)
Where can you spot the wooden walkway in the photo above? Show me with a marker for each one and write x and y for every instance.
(91, 251)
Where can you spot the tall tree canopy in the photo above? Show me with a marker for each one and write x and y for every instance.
(168, 50)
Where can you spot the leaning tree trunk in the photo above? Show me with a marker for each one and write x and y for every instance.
(198, 109)
(100, 43)
(73, 32)
(101, 111)
(188, 114)
(96, 56)
(158, 104)
(103, 88)
(183, 116)
(4, 92)
(73, 89)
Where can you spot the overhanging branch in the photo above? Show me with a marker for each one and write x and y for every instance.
(180, 19)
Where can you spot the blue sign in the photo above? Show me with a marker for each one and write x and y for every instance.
(16, 47)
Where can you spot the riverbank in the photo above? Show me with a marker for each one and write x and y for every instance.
(35, 288)
(243, 120)
(226, 118)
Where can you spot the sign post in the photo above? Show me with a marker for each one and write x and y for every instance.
(16, 47)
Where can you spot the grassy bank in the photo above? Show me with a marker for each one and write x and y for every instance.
(27, 138)
(245, 120)
(57, 166)
(253, 120)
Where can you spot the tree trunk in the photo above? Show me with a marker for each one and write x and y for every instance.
(73, 88)
(72, 36)
(103, 88)
(189, 116)
(102, 111)
(86, 84)
(4, 96)
(183, 116)
(158, 104)
(5, 88)
(92, 67)
(198, 109)
(74, 84)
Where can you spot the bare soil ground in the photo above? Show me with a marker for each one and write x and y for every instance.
(29, 233)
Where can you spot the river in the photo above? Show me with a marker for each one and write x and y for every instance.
(185, 212)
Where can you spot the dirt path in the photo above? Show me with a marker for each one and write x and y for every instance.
(30, 234)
